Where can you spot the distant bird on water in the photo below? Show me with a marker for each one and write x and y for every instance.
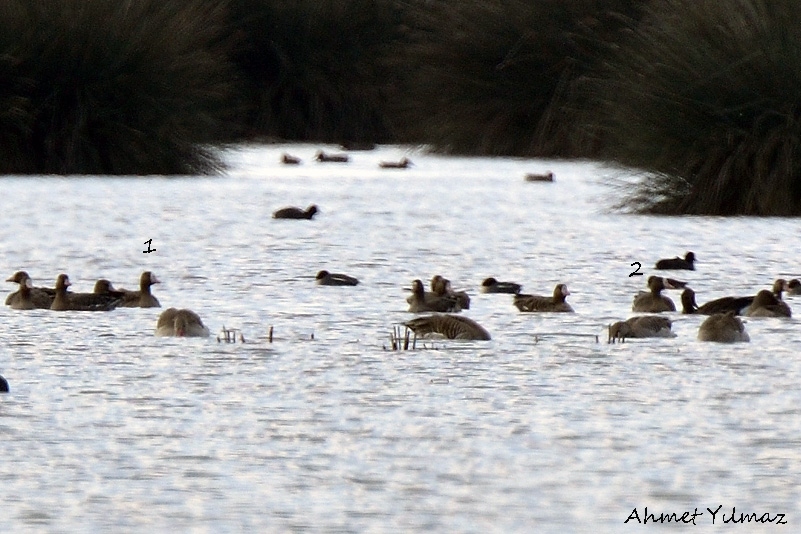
(324, 278)
(180, 323)
(449, 327)
(537, 303)
(295, 213)
(288, 159)
(653, 301)
(29, 297)
(402, 164)
(640, 327)
(687, 264)
(723, 328)
(491, 285)
(331, 158)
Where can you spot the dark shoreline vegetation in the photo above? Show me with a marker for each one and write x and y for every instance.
(700, 95)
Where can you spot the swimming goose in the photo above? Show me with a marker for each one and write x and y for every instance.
(324, 278)
(65, 300)
(421, 301)
(534, 177)
(441, 287)
(537, 303)
(722, 305)
(180, 323)
(287, 159)
(653, 301)
(335, 158)
(766, 304)
(722, 328)
(449, 326)
(29, 297)
(104, 287)
(402, 164)
(794, 287)
(641, 326)
(296, 213)
(491, 285)
(677, 263)
(142, 298)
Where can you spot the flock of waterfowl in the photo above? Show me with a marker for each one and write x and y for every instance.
(104, 297)
(328, 157)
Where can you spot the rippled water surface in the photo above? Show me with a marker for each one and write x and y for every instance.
(110, 429)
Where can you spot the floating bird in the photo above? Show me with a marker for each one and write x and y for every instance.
(324, 278)
(722, 328)
(722, 305)
(331, 158)
(402, 164)
(295, 213)
(449, 326)
(794, 287)
(543, 177)
(640, 327)
(491, 285)
(142, 298)
(441, 286)
(766, 304)
(180, 323)
(4, 385)
(537, 303)
(653, 301)
(68, 301)
(28, 297)
(677, 263)
(287, 159)
(421, 301)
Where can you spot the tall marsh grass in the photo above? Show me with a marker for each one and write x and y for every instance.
(705, 96)
(111, 86)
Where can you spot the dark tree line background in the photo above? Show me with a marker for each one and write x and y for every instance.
(701, 95)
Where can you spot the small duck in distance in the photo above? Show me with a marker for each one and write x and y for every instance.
(491, 285)
(640, 327)
(653, 301)
(402, 164)
(539, 177)
(687, 264)
(331, 158)
(537, 303)
(324, 278)
(723, 328)
(288, 159)
(296, 213)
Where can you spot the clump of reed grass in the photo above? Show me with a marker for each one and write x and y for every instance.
(318, 69)
(108, 87)
(503, 77)
(704, 97)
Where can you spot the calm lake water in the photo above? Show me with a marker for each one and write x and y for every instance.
(110, 429)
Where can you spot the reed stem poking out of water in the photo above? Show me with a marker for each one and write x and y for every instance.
(704, 96)
(100, 87)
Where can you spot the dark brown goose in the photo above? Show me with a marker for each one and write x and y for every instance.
(421, 301)
(722, 328)
(687, 264)
(104, 287)
(766, 304)
(287, 159)
(142, 298)
(441, 287)
(491, 285)
(653, 301)
(722, 305)
(29, 297)
(640, 327)
(180, 323)
(324, 278)
(794, 287)
(296, 213)
(331, 158)
(538, 303)
(402, 164)
(449, 326)
(65, 300)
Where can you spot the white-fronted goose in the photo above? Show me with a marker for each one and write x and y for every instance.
(538, 303)
(28, 297)
(324, 278)
(794, 287)
(296, 213)
(287, 159)
(766, 304)
(142, 298)
(491, 285)
(331, 158)
(66, 301)
(641, 326)
(722, 328)
(421, 301)
(448, 326)
(539, 177)
(104, 287)
(653, 301)
(737, 305)
(402, 164)
(180, 323)
(677, 263)
(441, 287)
